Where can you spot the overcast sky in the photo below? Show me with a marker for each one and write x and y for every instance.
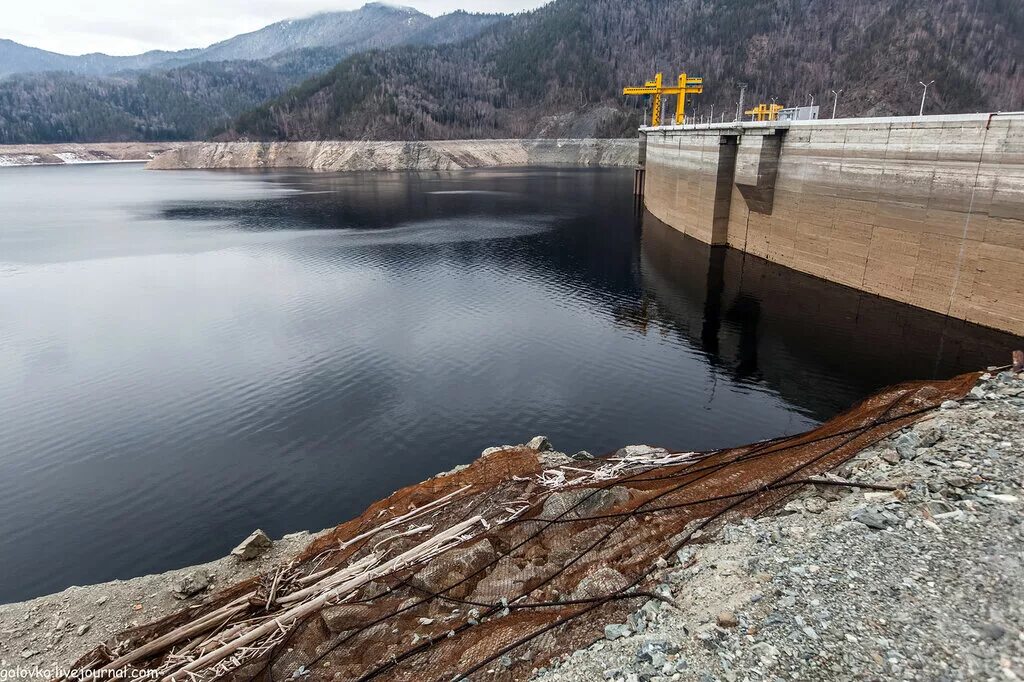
(133, 26)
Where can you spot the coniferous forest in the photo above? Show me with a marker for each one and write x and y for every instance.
(559, 71)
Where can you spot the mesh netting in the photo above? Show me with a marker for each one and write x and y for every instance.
(496, 568)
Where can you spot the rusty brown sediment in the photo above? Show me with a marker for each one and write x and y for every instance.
(528, 598)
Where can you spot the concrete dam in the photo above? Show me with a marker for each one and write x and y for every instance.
(924, 210)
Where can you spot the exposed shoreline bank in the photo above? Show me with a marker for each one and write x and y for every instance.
(75, 153)
(443, 155)
(931, 462)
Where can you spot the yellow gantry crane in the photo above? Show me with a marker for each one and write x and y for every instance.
(765, 112)
(656, 89)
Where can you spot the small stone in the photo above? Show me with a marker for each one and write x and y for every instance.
(540, 444)
(792, 507)
(930, 437)
(949, 405)
(28, 653)
(253, 546)
(727, 619)
(907, 444)
(82, 629)
(101, 601)
(993, 631)
(936, 507)
(685, 555)
(957, 481)
(890, 456)
(815, 505)
(639, 451)
(614, 631)
(885, 496)
(870, 517)
(582, 455)
(190, 584)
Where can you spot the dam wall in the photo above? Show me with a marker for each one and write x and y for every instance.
(924, 210)
(443, 155)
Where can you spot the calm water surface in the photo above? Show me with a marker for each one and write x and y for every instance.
(186, 356)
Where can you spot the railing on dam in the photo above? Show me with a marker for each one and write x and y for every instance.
(924, 210)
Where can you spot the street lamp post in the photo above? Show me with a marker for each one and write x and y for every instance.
(835, 101)
(923, 95)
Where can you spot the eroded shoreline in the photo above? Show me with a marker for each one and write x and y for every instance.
(75, 153)
(930, 464)
(444, 155)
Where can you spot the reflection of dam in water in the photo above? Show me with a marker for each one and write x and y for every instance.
(822, 346)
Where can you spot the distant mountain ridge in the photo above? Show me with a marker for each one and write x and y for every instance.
(17, 58)
(392, 73)
(374, 25)
(48, 97)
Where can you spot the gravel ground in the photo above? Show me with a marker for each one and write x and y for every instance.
(925, 583)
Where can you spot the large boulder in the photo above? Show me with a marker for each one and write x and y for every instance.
(508, 580)
(601, 583)
(454, 566)
(253, 546)
(540, 444)
(580, 503)
(190, 584)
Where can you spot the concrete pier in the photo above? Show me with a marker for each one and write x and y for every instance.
(924, 210)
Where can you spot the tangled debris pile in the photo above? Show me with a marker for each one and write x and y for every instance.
(498, 567)
(923, 582)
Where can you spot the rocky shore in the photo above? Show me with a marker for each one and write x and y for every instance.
(56, 629)
(347, 155)
(93, 152)
(908, 565)
(921, 582)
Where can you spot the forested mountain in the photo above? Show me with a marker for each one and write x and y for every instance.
(178, 104)
(375, 25)
(386, 72)
(540, 72)
(194, 93)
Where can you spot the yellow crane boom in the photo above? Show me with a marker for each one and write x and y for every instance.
(656, 88)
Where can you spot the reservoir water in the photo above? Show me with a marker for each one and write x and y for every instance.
(186, 356)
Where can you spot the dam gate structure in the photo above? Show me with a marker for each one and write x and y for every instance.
(924, 210)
